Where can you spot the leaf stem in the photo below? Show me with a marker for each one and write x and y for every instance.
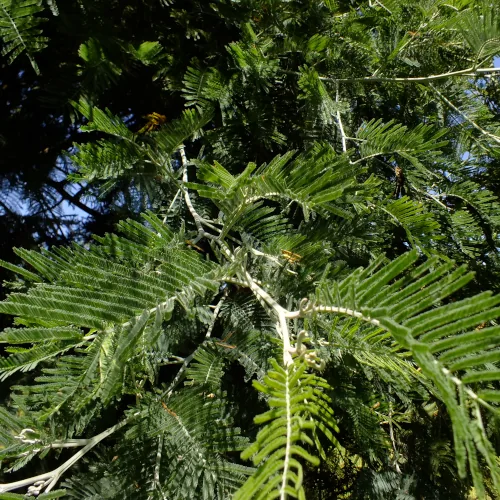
(464, 72)
(51, 478)
(465, 117)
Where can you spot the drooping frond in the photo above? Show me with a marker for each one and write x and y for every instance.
(379, 138)
(119, 292)
(127, 153)
(370, 347)
(467, 232)
(19, 29)
(290, 119)
(418, 224)
(460, 361)
(318, 181)
(254, 58)
(206, 370)
(147, 52)
(480, 203)
(202, 88)
(299, 408)
(480, 27)
(319, 102)
(197, 434)
(189, 124)
(97, 69)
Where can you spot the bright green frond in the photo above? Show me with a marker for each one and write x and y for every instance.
(299, 407)
(440, 334)
(19, 29)
(121, 293)
(318, 181)
(418, 224)
(378, 138)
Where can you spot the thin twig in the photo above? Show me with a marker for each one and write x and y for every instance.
(198, 219)
(305, 311)
(258, 197)
(464, 72)
(216, 313)
(179, 376)
(279, 311)
(194, 213)
(128, 323)
(469, 391)
(171, 205)
(380, 4)
(339, 120)
(432, 197)
(268, 302)
(272, 258)
(158, 462)
(51, 478)
(465, 117)
(391, 434)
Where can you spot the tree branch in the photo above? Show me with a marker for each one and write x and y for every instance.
(49, 479)
(261, 294)
(429, 78)
(306, 308)
(73, 199)
(216, 313)
(339, 120)
(178, 377)
(198, 220)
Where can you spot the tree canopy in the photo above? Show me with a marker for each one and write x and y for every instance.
(292, 287)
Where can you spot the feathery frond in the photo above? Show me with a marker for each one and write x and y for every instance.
(19, 29)
(456, 360)
(299, 407)
(378, 138)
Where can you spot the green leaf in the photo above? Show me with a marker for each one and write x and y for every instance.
(289, 423)
(19, 29)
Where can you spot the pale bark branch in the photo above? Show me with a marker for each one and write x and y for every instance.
(198, 220)
(339, 120)
(178, 378)
(49, 479)
(411, 79)
(216, 313)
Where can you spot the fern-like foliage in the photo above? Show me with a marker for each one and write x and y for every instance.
(370, 348)
(320, 103)
(207, 369)
(378, 138)
(196, 433)
(481, 30)
(126, 154)
(179, 449)
(419, 226)
(97, 70)
(44, 496)
(335, 184)
(460, 361)
(280, 154)
(19, 29)
(299, 409)
(97, 304)
(202, 88)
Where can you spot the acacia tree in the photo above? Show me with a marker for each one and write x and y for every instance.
(294, 314)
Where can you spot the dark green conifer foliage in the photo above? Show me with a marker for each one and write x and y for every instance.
(301, 306)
